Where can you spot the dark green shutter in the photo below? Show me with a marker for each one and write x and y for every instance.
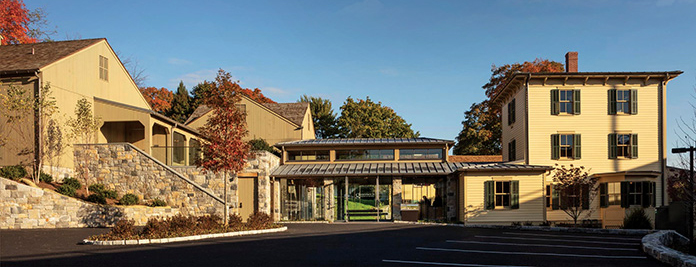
(585, 194)
(634, 101)
(611, 100)
(612, 146)
(555, 105)
(555, 198)
(646, 198)
(576, 102)
(624, 194)
(654, 193)
(489, 194)
(509, 113)
(576, 148)
(555, 147)
(604, 195)
(634, 146)
(514, 194)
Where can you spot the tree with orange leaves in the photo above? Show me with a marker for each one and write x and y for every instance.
(223, 149)
(481, 129)
(257, 95)
(159, 99)
(19, 25)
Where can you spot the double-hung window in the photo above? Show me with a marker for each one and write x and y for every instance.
(623, 146)
(627, 194)
(565, 146)
(623, 101)
(501, 195)
(610, 194)
(565, 102)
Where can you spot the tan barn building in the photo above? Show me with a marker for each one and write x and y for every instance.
(272, 122)
(612, 123)
(88, 69)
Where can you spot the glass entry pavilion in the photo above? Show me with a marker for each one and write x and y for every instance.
(366, 192)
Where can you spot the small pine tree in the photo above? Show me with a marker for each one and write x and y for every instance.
(181, 107)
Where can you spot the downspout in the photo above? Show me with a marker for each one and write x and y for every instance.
(526, 118)
(663, 163)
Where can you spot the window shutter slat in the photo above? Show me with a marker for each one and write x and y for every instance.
(604, 195)
(514, 194)
(654, 193)
(646, 198)
(612, 146)
(489, 195)
(555, 147)
(634, 146)
(634, 101)
(624, 194)
(577, 144)
(555, 105)
(555, 198)
(576, 102)
(611, 100)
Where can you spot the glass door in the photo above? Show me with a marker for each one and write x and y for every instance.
(363, 199)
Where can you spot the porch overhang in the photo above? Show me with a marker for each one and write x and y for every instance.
(366, 169)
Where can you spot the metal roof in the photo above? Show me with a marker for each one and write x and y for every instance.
(399, 169)
(365, 141)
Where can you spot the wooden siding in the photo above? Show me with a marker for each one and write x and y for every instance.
(471, 198)
(515, 131)
(263, 123)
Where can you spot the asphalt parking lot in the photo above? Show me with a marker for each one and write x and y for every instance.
(338, 244)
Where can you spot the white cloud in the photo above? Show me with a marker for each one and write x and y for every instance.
(274, 91)
(178, 61)
(193, 78)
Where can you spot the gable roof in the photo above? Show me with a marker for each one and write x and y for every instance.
(366, 141)
(17, 58)
(294, 112)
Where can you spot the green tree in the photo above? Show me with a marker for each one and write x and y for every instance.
(481, 128)
(481, 131)
(20, 109)
(84, 125)
(323, 117)
(181, 104)
(198, 92)
(367, 119)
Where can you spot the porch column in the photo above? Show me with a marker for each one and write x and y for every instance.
(276, 199)
(451, 197)
(263, 197)
(396, 198)
(345, 201)
(329, 206)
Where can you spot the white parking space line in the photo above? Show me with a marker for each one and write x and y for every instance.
(578, 236)
(539, 245)
(448, 263)
(557, 240)
(532, 253)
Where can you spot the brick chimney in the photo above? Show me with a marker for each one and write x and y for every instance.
(571, 62)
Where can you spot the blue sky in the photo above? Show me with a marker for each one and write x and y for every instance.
(426, 59)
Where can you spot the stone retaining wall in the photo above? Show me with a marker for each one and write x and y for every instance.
(658, 245)
(128, 170)
(26, 207)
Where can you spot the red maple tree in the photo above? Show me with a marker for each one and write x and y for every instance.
(159, 99)
(257, 95)
(223, 149)
(15, 23)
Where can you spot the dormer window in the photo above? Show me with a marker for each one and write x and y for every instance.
(103, 68)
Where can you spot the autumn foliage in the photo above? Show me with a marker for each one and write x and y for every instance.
(15, 23)
(224, 149)
(159, 99)
(256, 95)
